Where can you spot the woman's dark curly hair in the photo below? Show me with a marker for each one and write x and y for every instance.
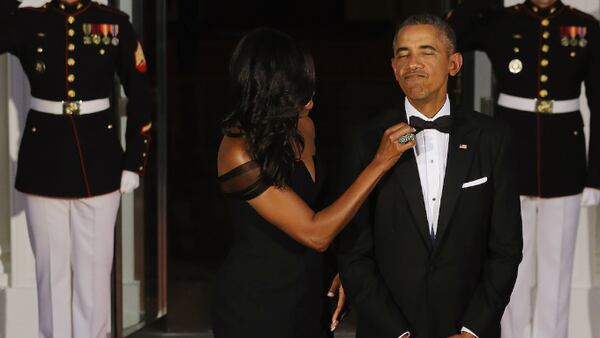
(272, 79)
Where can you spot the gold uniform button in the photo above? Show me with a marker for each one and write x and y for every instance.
(141, 168)
(71, 93)
(71, 47)
(543, 93)
(71, 62)
(544, 78)
(34, 129)
(102, 52)
(546, 34)
(110, 126)
(40, 50)
(575, 133)
(544, 62)
(71, 78)
(71, 19)
(79, 6)
(545, 48)
(146, 141)
(516, 49)
(71, 32)
(143, 154)
(545, 22)
(552, 10)
(573, 54)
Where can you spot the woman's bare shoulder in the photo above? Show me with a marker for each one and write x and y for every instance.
(232, 154)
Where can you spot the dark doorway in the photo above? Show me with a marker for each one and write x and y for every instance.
(351, 44)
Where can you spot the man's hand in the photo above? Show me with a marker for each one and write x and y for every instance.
(129, 181)
(337, 288)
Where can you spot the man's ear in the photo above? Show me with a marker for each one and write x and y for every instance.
(455, 64)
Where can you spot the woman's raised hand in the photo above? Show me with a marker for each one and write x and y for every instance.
(390, 148)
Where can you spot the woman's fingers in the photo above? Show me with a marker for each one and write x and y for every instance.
(335, 320)
(335, 285)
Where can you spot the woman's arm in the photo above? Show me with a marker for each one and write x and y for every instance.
(283, 208)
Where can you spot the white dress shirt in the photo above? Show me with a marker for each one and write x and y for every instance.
(431, 154)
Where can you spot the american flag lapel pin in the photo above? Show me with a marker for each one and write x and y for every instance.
(462, 146)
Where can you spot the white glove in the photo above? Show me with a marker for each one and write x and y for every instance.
(129, 181)
(590, 197)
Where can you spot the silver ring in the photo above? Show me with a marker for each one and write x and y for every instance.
(404, 139)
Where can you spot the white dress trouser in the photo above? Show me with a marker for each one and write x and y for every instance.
(551, 223)
(72, 240)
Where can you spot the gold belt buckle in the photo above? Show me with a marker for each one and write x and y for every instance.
(544, 106)
(71, 107)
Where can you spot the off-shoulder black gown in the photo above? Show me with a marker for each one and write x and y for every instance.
(269, 286)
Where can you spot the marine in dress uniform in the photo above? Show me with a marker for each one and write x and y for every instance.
(71, 165)
(541, 52)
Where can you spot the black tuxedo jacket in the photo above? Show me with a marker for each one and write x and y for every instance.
(396, 277)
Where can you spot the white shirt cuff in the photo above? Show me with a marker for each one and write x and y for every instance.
(405, 335)
(464, 329)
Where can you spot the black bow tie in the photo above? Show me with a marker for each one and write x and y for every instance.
(442, 124)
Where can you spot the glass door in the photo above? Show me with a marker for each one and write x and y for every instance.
(139, 289)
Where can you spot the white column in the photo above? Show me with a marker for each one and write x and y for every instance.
(18, 300)
(4, 179)
(483, 81)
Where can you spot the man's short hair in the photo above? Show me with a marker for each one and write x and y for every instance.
(429, 19)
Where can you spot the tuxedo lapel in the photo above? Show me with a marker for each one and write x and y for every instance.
(461, 147)
(407, 175)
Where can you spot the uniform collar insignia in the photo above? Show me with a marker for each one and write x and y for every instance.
(71, 7)
(543, 12)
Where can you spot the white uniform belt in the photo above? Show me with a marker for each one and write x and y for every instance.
(538, 105)
(69, 107)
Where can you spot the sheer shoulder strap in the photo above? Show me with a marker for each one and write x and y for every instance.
(244, 182)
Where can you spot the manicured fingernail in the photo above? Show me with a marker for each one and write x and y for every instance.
(334, 325)
(330, 294)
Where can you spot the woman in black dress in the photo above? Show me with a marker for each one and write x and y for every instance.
(271, 283)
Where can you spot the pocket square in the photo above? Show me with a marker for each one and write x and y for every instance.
(475, 182)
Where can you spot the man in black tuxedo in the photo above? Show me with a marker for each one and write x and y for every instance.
(435, 251)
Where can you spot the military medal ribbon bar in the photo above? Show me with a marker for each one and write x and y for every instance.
(582, 32)
(105, 30)
(114, 31)
(573, 35)
(564, 36)
(87, 31)
(96, 34)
